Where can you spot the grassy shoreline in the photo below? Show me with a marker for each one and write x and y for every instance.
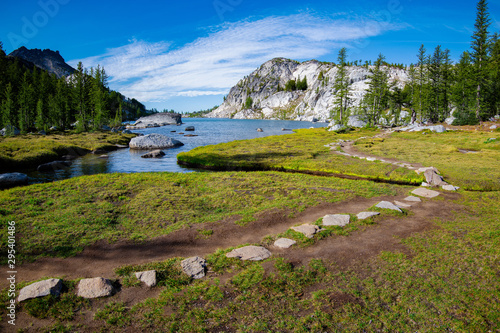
(24, 152)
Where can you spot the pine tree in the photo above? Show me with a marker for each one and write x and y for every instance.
(341, 86)
(479, 55)
(375, 99)
(8, 118)
(463, 91)
(40, 122)
(422, 81)
(494, 74)
(26, 105)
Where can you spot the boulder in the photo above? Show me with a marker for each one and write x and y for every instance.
(53, 128)
(148, 277)
(284, 243)
(307, 230)
(388, 205)
(402, 204)
(106, 128)
(340, 220)
(449, 187)
(437, 128)
(426, 193)
(127, 131)
(260, 130)
(41, 289)
(250, 252)
(411, 198)
(189, 129)
(433, 179)
(95, 287)
(154, 154)
(154, 141)
(10, 130)
(42, 132)
(365, 215)
(356, 121)
(493, 127)
(53, 166)
(13, 179)
(114, 130)
(194, 267)
(336, 128)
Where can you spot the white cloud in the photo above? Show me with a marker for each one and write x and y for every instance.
(210, 65)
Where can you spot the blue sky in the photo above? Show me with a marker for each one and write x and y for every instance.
(186, 55)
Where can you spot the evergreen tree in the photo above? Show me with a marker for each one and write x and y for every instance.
(422, 81)
(479, 55)
(375, 99)
(494, 75)
(8, 118)
(463, 93)
(26, 105)
(40, 122)
(341, 87)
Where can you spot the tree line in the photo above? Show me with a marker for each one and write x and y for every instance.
(437, 88)
(32, 99)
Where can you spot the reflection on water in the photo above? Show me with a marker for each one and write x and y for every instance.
(208, 131)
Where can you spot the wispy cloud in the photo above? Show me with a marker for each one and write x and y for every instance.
(210, 65)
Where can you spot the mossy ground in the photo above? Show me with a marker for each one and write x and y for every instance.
(469, 159)
(59, 219)
(303, 151)
(28, 151)
(447, 280)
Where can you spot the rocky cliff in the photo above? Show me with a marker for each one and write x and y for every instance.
(48, 60)
(265, 88)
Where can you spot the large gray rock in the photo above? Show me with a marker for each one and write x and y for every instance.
(336, 127)
(284, 243)
(156, 120)
(449, 120)
(356, 121)
(95, 287)
(433, 179)
(154, 141)
(189, 129)
(307, 230)
(365, 215)
(340, 220)
(154, 154)
(41, 289)
(194, 267)
(53, 166)
(13, 179)
(424, 192)
(250, 252)
(148, 277)
(449, 187)
(388, 205)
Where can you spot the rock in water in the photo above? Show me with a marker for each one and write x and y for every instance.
(260, 130)
(95, 287)
(154, 141)
(148, 277)
(189, 129)
(388, 205)
(41, 289)
(53, 166)
(194, 267)
(336, 219)
(365, 215)
(13, 179)
(154, 154)
(250, 252)
(284, 243)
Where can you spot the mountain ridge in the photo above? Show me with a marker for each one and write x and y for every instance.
(46, 59)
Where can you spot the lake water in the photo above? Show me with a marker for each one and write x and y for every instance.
(208, 131)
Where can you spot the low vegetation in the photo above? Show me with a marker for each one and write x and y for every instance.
(28, 151)
(466, 159)
(303, 151)
(59, 219)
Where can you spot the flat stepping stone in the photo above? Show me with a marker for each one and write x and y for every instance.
(340, 220)
(412, 199)
(307, 230)
(388, 205)
(365, 215)
(251, 252)
(371, 159)
(148, 277)
(41, 289)
(194, 267)
(284, 243)
(95, 287)
(424, 192)
(449, 187)
(402, 204)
